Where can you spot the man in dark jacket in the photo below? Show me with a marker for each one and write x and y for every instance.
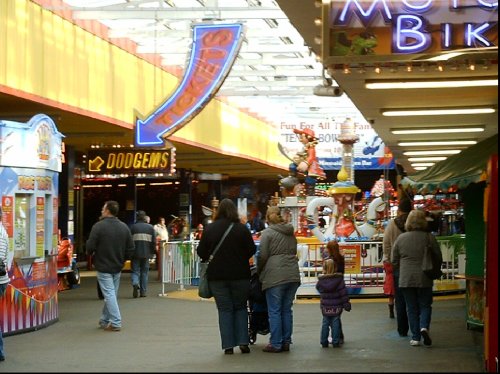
(144, 237)
(111, 243)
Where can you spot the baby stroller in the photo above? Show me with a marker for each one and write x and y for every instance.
(258, 322)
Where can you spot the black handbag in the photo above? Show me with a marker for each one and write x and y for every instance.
(203, 288)
(431, 264)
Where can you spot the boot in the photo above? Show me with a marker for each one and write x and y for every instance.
(391, 310)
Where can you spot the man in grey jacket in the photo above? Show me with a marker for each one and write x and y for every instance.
(110, 241)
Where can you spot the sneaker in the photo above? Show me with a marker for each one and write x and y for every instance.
(110, 327)
(285, 347)
(228, 351)
(103, 324)
(143, 295)
(269, 348)
(414, 343)
(427, 339)
(135, 292)
(2, 358)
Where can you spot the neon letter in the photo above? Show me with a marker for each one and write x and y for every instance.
(366, 17)
(472, 34)
(418, 8)
(408, 28)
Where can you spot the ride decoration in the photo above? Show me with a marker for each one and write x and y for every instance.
(304, 162)
(341, 198)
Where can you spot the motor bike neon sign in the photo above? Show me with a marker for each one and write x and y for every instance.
(411, 29)
(214, 50)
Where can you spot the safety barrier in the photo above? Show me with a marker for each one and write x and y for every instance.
(180, 264)
(364, 273)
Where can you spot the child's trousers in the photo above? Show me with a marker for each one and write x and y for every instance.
(330, 324)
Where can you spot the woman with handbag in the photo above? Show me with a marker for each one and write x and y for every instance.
(407, 256)
(228, 273)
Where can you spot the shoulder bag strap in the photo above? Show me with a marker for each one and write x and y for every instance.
(220, 242)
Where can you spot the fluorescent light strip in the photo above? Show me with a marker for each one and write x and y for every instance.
(444, 142)
(416, 159)
(429, 152)
(435, 112)
(420, 167)
(426, 164)
(436, 130)
(381, 85)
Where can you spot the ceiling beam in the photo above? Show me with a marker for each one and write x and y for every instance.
(111, 12)
(159, 31)
(175, 60)
(230, 91)
(163, 46)
(277, 83)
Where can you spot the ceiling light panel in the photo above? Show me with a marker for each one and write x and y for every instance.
(435, 112)
(437, 130)
(415, 84)
(417, 159)
(438, 142)
(433, 152)
(426, 164)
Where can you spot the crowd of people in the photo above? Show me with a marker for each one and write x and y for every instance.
(111, 242)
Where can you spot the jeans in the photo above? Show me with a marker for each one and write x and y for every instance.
(279, 308)
(109, 284)
(400, 304)
(231, 300)
(3, 289)
(419, 309)
(330, 323)
(139, 275)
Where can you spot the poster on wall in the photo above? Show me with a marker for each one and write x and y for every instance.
(370, 152)
(40, 226)
(352, 258)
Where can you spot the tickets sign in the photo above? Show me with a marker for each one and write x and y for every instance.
(215, 48)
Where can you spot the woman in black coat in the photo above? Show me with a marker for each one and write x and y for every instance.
(229, 274)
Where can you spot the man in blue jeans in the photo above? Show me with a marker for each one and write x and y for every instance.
(144, 237)
(110, 241)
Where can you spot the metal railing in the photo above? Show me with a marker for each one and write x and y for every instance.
(364, 273)
(180, 264)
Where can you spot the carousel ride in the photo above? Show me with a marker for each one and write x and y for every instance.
(303, 203)
(360, 241)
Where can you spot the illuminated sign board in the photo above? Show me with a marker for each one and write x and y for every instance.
(34, 144)
(130, 161)
(359, 29)
(215, 48)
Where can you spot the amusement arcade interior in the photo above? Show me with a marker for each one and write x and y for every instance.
(280, 67)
